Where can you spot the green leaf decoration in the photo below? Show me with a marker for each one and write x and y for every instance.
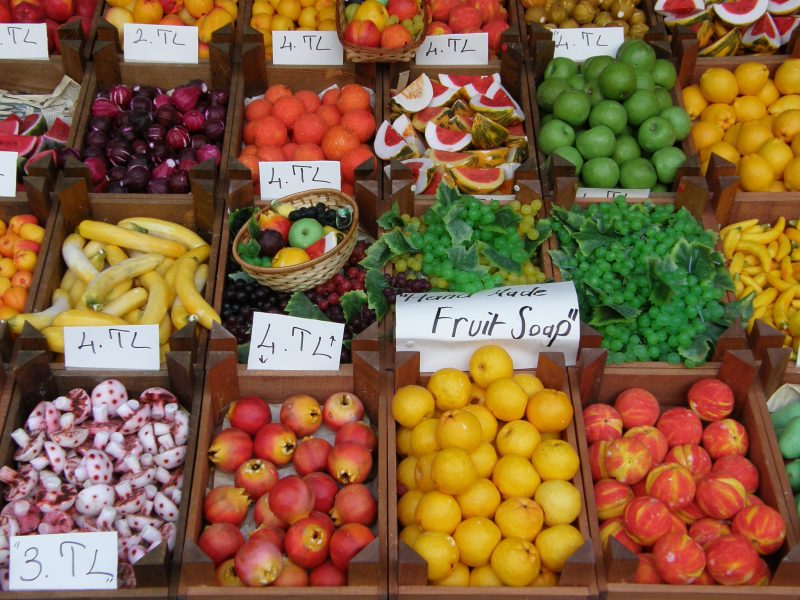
(300, 306)
(606, 314)
(699, 351)
(497, 260)
(240, 276)
(466, 259)
(660, 291)
(252, 228)
(446, 196)
(242, 352)
(740, 309)
(391, 218)
(352, 302)
(460, 231)
(507, 218)
(574, 219)
(238, 218)
(377, 255)
(562, 261)
(375, 284)
(398, 243)
(695, 258)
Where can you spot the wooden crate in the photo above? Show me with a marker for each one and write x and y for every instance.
(514, 79)
(256, 75)
(694, 198)
(225, 383)
(592, 381)
(408, 571)
(560, 180)
(773, 373)
(197, 211)
(227, 39)
(36, 380)
(109, 70)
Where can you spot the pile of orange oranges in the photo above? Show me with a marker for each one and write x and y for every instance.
(20, 241)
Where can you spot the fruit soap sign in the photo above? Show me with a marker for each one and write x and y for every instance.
(160, 43)
(281, 178)
(64, 561)
(26, 41)
(583, 43)
(307, 48)
(8, 174)
(279, 342)
(129, 347)
(447, 327)
(456, 49)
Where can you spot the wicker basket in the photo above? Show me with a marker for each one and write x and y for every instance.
(306, 275)
(359, 54)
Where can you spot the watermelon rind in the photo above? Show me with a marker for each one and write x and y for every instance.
(478, 181)
(781, 8)
(762, 36)
(727, 45)
(676, 20)
(451, 159)
(24, 145)
(420, 119)
(388, 143)
(434, 184)
(786, 27)
(57, 134)
(492, 158)
(416, 96)
(423, 168)
(443, 95)
(439, 138)
(34, 124)
(472, 90)
(39, 156)
(741, 12)
(10, 125)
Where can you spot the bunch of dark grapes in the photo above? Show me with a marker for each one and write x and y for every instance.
(241, 299)
(400, 284)
(320, 212)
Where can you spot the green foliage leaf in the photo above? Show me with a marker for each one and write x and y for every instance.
(238, 218)
(574, 219)
(446, 196)
(391, 218)
(606, 314)
(466, 259)
(375, 284)
(694, 258)
(252, 228)
(562, 261)
(398, 243)
(242, 352)
(507, 218)
(722, 279)
(377, 255)
(240, 276)
(352, 302)
(498, 260)
(740, 309)
(460, 231)
(300, 306)
(699, 351)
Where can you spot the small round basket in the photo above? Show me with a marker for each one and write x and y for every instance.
(306, 275)
(360, 54)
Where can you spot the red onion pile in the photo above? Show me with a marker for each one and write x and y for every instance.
(143, 139)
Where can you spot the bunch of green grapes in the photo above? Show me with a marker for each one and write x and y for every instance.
(414, 26)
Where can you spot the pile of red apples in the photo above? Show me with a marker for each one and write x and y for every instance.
(312, 509)
(53, 13)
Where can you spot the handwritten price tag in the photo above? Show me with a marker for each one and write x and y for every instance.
(8, 174)
(581, 44)
(69, 561)
(610, 193)
(456, 49)
(278, 342)
(160, 43)
(306, 48)
(131, 347)
(27, 41)
(279, 179)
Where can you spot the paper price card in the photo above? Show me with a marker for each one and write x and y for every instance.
(581, 44)
(306, 48)
(68, 561)
(160, 43)
(130, 347)
(611, 193)
(279, 179)
(27, 41)
(446, 328)
(278, 342)
(8, 174)
(456, 49)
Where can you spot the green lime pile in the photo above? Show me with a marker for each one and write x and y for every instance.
(648, 278)
(614, 118)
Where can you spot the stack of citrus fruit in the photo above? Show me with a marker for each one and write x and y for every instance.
(291, 15)
(484, 482)
(752, 120)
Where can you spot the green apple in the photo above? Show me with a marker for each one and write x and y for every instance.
(305, 232)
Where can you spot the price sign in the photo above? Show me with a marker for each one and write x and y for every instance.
(611, 193)
(26, 41)
(279, 179)
(446, 328)
(8, 174)
(306, 48)
(456, 49)
(68, 561)
(278, 342)
(160, 43)
(130, 347)
(580, 44)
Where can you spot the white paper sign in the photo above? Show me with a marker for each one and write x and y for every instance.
(612, 193)
(160, 43)
(306, 48)
(279, 342)
(447, 327)
(26, 41)
(279, 179)
(8, 174)
(129, 347)
(455, 49)
(64, 561)
(580, 44)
